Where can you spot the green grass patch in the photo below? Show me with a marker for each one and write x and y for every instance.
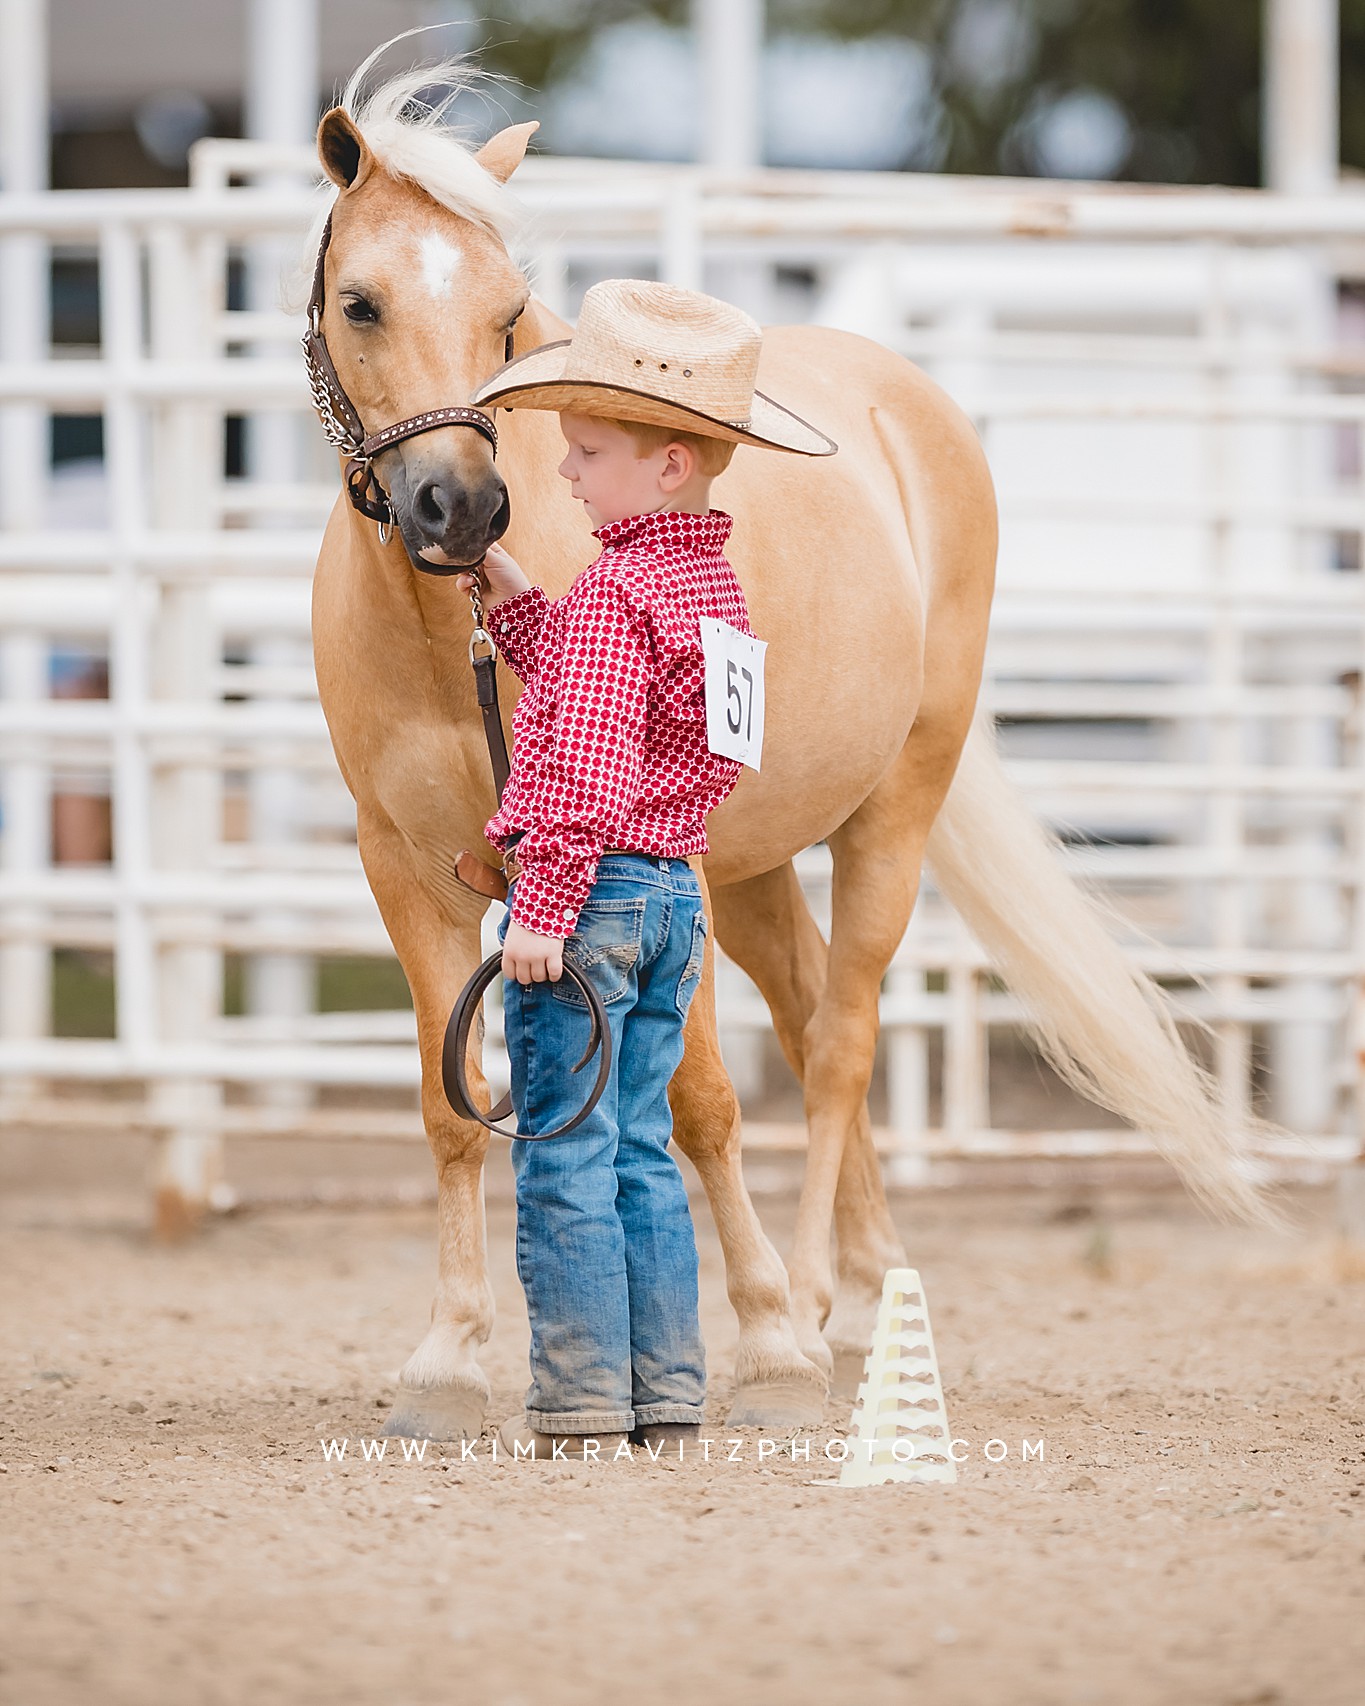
(348, 983)
(83, 1001)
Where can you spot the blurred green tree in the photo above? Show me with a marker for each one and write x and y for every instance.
(1142, 90)
(541, 41)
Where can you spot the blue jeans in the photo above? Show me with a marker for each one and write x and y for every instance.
(605, 1245)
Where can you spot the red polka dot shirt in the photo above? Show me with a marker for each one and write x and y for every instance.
(609, 736)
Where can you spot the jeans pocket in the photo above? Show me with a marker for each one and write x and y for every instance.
(691, 977)
(605, 946)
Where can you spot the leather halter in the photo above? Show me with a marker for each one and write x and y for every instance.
(341, 421)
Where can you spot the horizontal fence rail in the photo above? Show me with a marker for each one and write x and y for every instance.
(1171, 391)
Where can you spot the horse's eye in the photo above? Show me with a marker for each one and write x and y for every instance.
(358, 311)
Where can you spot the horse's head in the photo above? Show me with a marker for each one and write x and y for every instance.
(421, 297)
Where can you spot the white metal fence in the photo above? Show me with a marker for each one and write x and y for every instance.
(1170, 396)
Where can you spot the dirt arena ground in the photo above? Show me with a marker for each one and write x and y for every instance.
(1194, 1533)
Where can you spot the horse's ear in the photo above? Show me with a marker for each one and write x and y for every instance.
(344, 153)
(502, 154)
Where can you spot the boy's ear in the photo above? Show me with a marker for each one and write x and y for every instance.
(680, 466)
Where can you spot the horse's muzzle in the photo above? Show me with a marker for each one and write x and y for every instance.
(453, 521)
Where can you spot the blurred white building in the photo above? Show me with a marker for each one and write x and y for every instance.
(1163, 382)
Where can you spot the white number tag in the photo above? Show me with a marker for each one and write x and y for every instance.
(734, 691)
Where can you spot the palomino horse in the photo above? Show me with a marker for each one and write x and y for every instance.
(870, 575)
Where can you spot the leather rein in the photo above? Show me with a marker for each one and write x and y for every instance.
(483, 879)
(343, 428)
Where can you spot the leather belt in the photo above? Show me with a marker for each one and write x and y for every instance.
(512, 867)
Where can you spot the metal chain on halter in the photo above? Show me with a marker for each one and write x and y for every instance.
(480, 634)
(333, 430)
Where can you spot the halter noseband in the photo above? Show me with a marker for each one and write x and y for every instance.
(342, 424)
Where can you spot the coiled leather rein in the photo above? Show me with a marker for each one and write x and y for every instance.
(455, 1053)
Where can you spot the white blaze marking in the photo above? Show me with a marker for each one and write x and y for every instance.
(440, 262)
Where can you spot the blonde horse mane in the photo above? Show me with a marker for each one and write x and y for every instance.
(406, 126)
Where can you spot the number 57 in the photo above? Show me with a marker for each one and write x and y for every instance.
(735, 709)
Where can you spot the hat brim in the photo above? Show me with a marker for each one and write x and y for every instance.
(536, 381)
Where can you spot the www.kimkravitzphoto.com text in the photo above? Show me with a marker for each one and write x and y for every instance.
(717, 1449)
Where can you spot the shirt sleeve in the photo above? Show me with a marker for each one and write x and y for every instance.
(592, 779)
(515, 625)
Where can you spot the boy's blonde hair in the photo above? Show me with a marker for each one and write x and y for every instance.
(713, 454)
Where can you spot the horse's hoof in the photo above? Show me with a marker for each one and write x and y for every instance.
(436, 1412)
(778, 1404)
(850, 1370)
(817, 1353)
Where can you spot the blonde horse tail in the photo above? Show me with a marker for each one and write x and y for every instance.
(1103, 1024)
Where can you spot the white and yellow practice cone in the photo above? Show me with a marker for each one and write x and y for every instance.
(900, 1421)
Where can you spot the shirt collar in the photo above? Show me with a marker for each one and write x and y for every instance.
(669, 526)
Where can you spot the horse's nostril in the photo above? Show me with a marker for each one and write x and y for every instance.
(432, 506)
(502, 517)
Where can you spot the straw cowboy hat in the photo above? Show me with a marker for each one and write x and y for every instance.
(653, 352)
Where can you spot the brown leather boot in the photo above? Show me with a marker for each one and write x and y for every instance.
(516, 1432)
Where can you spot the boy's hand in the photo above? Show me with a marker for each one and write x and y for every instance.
(503, 574)
(529, 958)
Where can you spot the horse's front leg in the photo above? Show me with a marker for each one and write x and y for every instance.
(443, 1393)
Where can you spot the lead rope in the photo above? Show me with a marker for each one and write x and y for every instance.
(485, 669)
(455, 1048)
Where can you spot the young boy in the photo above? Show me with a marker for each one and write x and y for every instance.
(612, 779)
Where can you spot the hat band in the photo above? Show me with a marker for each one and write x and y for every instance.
(723, 408)
(691, 384)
